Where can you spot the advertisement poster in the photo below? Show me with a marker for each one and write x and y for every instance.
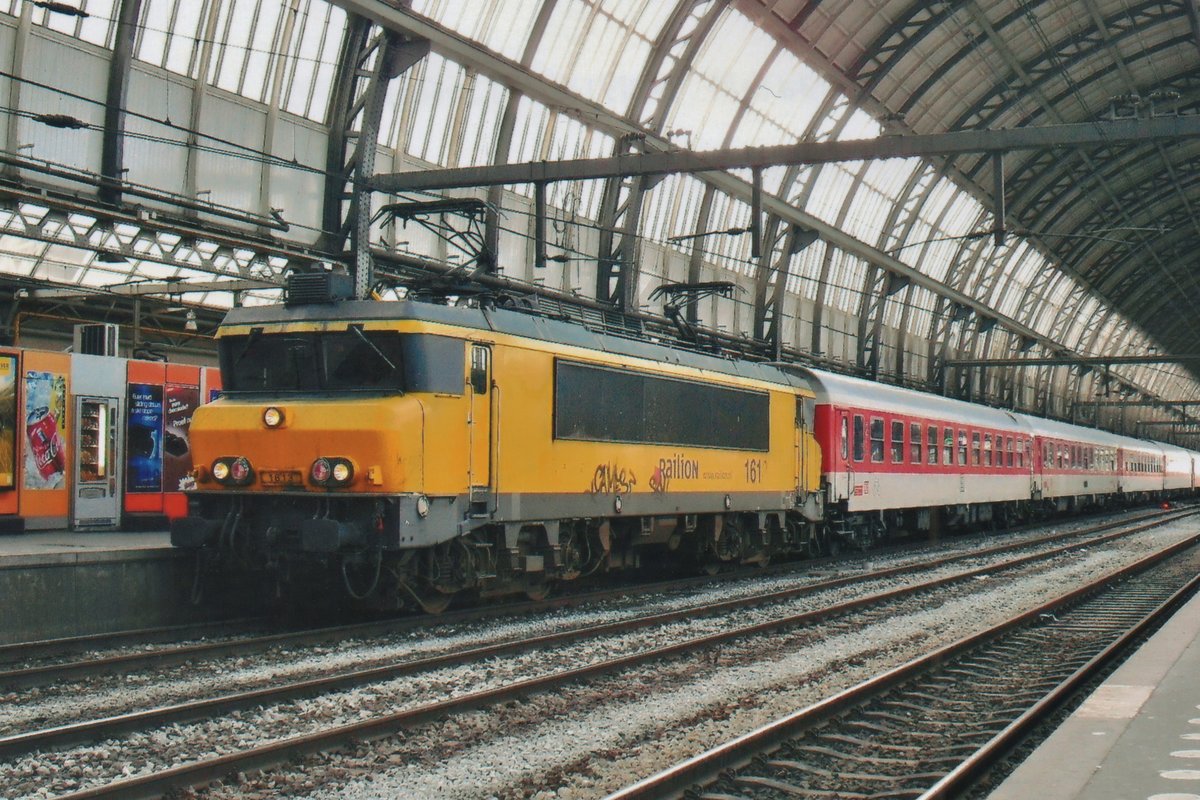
(8, 422)
(177, 455)
(46, 430)
(143, 448)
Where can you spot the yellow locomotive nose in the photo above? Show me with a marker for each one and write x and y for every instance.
(362, 445)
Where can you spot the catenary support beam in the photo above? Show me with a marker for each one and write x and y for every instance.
(1105, 133)
(1073, 361)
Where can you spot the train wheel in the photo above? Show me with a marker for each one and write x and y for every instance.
(537, 592)
(432, 601)
(429, 598)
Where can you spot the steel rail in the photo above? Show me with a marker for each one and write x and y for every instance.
(72, 645)
(273, 753)
(737, 753)
(962, 776)
(44, 675)
(106, 727)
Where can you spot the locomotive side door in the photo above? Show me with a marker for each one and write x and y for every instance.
(479, 422)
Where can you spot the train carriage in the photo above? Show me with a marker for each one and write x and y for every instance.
(1140, 468)
(885, 448)
(1179, 470)
(1072, 464)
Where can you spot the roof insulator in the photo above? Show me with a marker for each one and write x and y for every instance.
(60, 121)
(61, 8)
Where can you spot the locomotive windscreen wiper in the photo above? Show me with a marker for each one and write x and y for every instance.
(357, 329)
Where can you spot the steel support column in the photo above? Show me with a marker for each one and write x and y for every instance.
(112, 149)
(371, 58)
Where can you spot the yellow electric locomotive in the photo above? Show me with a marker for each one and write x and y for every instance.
(415, 450)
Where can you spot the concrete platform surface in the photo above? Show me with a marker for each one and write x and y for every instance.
(67, 547)
(1137, 737)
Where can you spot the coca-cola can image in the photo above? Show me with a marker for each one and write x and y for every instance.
(47, 444)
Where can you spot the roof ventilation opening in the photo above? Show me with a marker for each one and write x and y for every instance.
(308, 288)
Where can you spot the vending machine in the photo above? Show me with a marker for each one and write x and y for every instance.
(98, 386)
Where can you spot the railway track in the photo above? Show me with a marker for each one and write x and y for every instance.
(203, 770)
(143, 658)
(930, 728)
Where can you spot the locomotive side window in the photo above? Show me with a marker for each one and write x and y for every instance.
(876, 440)
(479, 369)
(897, 441)
(859, 451)
(845, 437)
(601, 404)
(914, 443)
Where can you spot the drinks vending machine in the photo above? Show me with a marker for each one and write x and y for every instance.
(97, 500)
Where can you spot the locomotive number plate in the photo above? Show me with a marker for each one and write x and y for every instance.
(281, 477)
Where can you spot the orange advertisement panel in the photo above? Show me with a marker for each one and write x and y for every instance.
(43, 437)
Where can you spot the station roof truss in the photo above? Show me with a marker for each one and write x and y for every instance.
(160, 154)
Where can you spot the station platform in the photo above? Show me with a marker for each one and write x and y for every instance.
(69, 583)
(1137, 737)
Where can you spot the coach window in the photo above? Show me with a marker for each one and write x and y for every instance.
(1008, 450)
(897, 441)
(858, 437)
(914, 443)
(975, 448)
(947, 446)
(987, 450)
(962, 448)
(1020, 452)
(845, 437)
(877, 440)
(931, 445)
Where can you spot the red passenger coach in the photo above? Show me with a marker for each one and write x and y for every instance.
(896, 458)
(1141, 468)
(1073, 466)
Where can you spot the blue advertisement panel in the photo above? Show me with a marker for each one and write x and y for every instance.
(143, 446)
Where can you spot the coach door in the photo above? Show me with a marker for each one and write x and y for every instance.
(480, 390)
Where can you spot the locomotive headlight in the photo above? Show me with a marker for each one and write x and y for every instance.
(320, 471)
(240, 472)
(342, 472)
(232, 471)
(423, 506)
(272, 417)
